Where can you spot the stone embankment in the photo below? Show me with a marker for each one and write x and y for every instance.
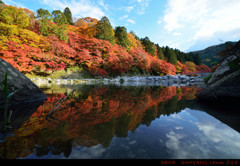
(169, 80)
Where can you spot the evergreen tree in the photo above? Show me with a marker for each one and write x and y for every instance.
(189, 57)
(170, 55)
(1, 2)
(196, 59)
(105, 30)
(160, 52)
(148, 45)
(67, 12)
(121, 37)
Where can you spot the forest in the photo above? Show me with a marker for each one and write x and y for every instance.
(41, 43)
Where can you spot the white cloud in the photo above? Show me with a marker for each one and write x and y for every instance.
(13, 3)
(123, 17)
(143, 5)
(129, 8)
(101, 3)
(177, 34)
(205, 17)
(131, 21)
(79, 8)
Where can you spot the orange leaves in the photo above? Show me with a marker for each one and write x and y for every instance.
(86, 26)
(203, 68)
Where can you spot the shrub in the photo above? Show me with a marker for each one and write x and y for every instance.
(206, 79)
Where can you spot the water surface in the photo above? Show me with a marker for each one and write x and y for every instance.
(112, 122)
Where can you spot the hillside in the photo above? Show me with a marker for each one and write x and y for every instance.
(49, 44)
(209, 56)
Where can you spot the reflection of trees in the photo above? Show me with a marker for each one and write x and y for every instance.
(93, 115)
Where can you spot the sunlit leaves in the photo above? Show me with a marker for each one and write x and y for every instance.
(13, 16)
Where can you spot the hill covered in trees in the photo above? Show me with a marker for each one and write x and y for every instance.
(209, 56)
(43, 43)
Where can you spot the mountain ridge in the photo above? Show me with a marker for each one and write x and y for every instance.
(209, 55)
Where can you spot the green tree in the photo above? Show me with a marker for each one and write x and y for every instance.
(44, 15)
(196, 59)
(148, 45)
(105, 30)
(170, 55)
(189, 57)
(59, 30)
(59, 18)
(46, 28)
(121, 37)
(67, 12)
(1, 2)
(160, 52)
(13, 16)
(44, 18)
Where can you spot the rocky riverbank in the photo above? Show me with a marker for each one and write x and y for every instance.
(168, 80)
(224, 85)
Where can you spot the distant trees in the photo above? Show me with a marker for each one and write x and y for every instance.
(1, 2)
(160, 53)
(170, 55)
(67, 12)
(197, 60)
(104, 30)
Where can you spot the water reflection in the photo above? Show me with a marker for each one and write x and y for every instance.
(121, 122)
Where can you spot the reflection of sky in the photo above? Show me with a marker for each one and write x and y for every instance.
(210, 139)
(189, 134)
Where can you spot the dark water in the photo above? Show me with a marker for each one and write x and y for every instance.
(112, 122)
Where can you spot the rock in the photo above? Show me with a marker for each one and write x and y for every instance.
(28, 93)
(224, 85)
(222, 69)
(224, 90)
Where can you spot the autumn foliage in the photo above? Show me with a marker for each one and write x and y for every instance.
(38, 46)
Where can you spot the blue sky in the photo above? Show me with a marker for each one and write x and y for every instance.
(187, 25)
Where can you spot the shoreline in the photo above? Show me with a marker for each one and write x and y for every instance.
(168, 80)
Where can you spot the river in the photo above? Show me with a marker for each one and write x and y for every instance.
(124, 122)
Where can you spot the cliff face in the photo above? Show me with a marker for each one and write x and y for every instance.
(224, 85)
(28, 93)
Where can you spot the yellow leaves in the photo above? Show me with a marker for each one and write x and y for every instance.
(22, 36)
(191, 66)
(179, 67)
(133, 42)
(8, 30)
(13, 16)
(3, 39)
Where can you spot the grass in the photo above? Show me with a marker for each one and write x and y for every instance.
(7, 98)
(206, 79)
(235, 64)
